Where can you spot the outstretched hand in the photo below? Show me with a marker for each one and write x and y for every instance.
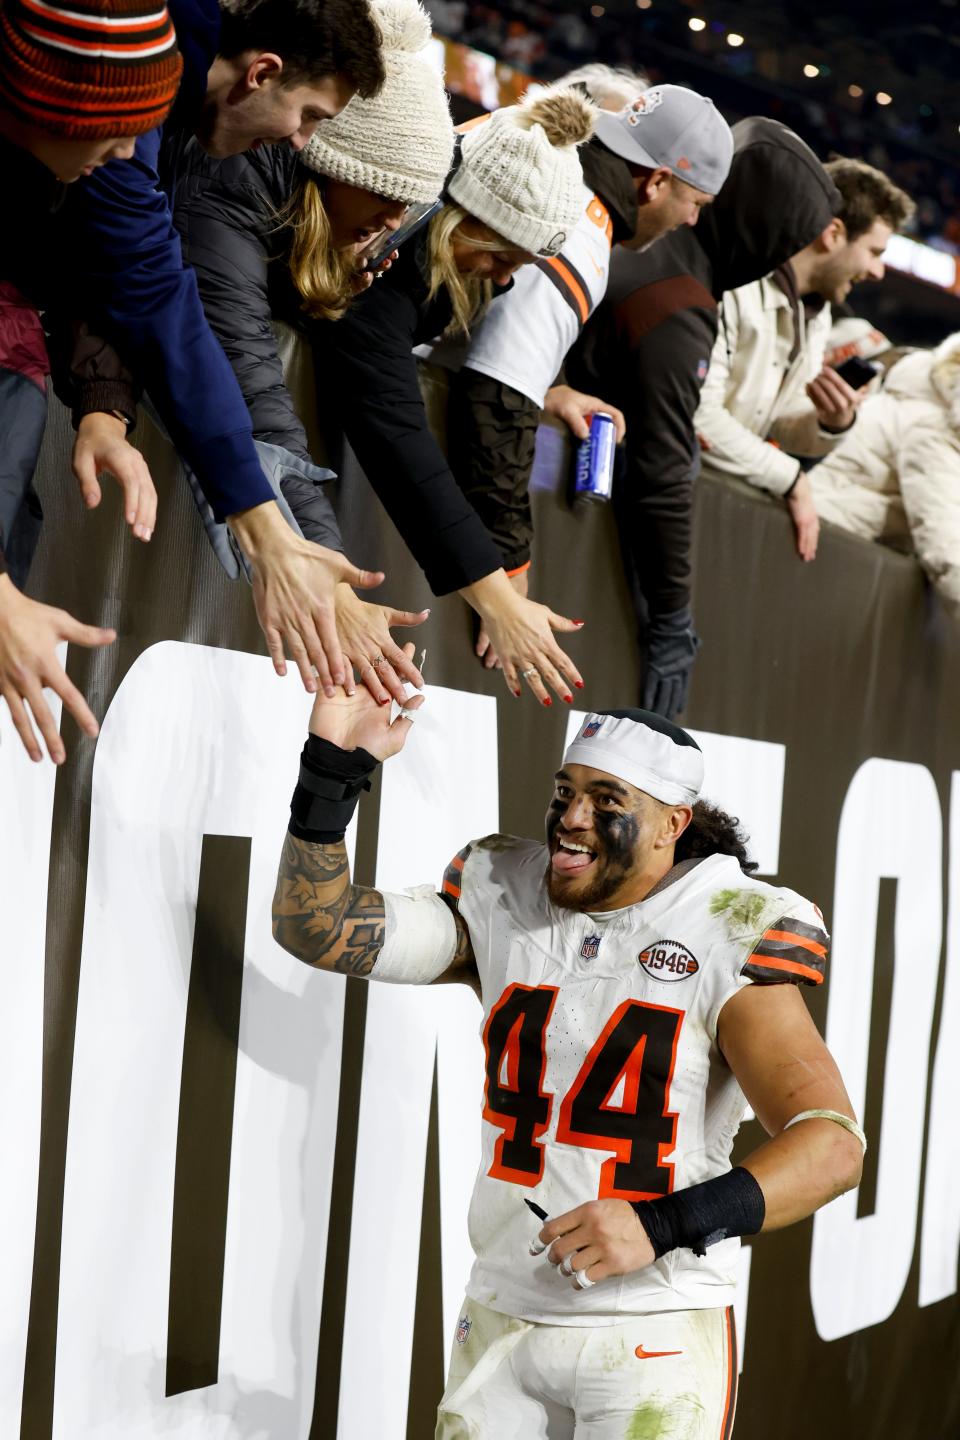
(294, 592)
(29, 636)
(357, 721)
(101, 447)
(364, 631)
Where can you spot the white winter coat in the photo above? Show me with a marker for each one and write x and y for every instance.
(896, 478)
(754, 394)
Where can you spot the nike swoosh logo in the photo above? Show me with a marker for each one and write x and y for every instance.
(642, 1354)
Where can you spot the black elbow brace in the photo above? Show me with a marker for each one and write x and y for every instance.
(327, 792)
(702, 1215)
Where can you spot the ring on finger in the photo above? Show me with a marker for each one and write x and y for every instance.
(525, 674)
(582, 1280)
(377, 661)
(566, 1264)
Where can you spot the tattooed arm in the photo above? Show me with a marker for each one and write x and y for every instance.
(320, 916)
(325, 920)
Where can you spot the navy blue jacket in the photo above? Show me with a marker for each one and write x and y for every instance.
(133, 279)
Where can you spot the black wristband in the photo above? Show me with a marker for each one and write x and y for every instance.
(702, 1215)
(327, 792)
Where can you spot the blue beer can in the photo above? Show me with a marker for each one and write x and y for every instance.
(595, 458)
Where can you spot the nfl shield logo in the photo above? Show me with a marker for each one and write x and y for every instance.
(590, 729)
(463, 1329)
(590, 946)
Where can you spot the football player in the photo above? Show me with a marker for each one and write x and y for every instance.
(639, 988)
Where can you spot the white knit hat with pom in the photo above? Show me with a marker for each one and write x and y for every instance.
(520, 173)
(400, 143)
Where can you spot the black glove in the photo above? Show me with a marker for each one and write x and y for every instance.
(671, 648)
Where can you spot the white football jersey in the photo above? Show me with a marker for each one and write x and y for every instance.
(603, 1074)
(524, 335)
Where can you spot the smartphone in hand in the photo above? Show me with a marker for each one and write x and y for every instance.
(383, 247)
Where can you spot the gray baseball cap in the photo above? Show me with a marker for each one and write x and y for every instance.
(672, 127)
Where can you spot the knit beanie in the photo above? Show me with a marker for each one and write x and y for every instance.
(520, 173)
(400, 143)
(96, 70)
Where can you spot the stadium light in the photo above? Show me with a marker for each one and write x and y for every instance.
(734, 39)
(696, 23)
(855, 91)
(883, 98)
(811, 71)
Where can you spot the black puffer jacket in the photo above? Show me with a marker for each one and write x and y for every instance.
(648, 346)
(369, 378)
(227, 213)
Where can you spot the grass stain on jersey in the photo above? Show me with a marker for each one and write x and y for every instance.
(743, 908)
(679, 1419)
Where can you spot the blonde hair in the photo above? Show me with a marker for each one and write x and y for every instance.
(322, 274)
(469, 295)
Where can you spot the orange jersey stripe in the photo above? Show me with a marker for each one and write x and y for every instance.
(788, 938)
(449, 888)
(576, 290)
(774, 962)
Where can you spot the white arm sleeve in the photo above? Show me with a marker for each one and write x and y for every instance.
(421, 938)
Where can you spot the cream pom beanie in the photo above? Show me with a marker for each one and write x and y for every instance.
(400, 143)
(520, 173)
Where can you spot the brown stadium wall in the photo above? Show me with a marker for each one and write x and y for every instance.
(234, 1189)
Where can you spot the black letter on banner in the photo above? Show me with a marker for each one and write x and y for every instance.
(429, 1341)
(205, 1131)
(326, 1403)
(881, 1006)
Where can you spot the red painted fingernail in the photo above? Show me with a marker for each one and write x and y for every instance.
(579, 622)
(518, 693)
(384, 701)
(548, 701)
(579, 684)
(569, 699)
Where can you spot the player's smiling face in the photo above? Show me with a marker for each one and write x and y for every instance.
(606, 840)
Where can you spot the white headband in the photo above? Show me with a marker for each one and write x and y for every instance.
(642, 756)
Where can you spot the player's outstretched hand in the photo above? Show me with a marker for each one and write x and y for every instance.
(596, 1240)
(357, 721)
(29, 636)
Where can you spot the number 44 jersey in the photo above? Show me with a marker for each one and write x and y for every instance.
(603, 1073)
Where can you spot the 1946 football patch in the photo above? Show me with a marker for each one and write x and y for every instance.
(668, 960)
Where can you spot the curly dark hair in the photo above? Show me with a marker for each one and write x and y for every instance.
(867, 195)
(313, 38)
(713, 832)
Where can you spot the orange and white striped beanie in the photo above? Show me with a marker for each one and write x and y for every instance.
(89, 69)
